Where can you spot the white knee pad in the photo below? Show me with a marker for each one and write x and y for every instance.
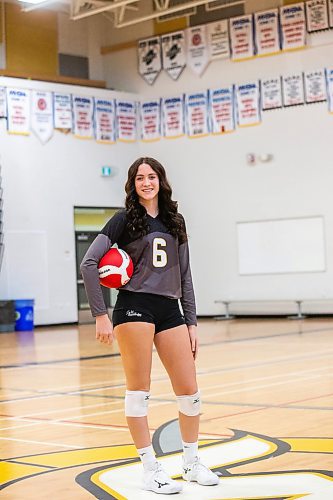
(136, 403)
(189, 405)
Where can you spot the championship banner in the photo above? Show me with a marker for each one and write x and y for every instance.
(329, 81)
(315, 86)
(293, 26)
(3, 102)
(316, 15)
(218, 40)
(42, 115)
(293, 90)
(196, 106)
(18, 108)
(150, 114)
(126, 120)
(105, 130)
(271, 94)
(149, 55)
(330, 12)
(83, 113)
(174, 56)
(241, 37)
(221, 110)
(197, 49)
(173, 117)
(267, 32)
(62, 110)
(247, 100)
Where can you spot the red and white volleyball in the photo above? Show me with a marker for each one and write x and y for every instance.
(115, 268)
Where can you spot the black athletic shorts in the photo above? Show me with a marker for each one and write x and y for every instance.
(161, 311)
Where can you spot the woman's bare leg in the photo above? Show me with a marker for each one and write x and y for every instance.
(135, 342)
(174, 349)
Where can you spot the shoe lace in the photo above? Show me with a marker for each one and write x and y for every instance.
(160, 472)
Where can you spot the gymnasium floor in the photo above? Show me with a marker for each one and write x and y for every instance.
(266, 427)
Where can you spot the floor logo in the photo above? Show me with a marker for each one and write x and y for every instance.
(118, 475)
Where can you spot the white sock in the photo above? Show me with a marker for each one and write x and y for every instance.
(190, 452)
(147, 457)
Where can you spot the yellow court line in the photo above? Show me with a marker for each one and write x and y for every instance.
(310, 445)
(10, 471)
(83, 456)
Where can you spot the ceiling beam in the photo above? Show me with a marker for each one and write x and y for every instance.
(105, 8)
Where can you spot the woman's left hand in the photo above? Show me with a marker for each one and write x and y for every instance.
(192, 331)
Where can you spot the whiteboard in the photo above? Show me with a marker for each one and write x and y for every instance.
(281, 246)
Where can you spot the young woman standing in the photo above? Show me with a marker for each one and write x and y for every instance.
(147, 312)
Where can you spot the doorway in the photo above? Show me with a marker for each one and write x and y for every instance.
(88, 221)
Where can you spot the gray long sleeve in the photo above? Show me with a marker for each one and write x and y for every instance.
(187, 299)
(89, 270)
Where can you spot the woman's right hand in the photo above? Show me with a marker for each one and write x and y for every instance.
(104, 329)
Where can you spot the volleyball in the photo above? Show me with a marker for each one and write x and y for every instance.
(115, 268)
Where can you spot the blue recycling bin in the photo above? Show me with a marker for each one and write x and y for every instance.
(24, 310)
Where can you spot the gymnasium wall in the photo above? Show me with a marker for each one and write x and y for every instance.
(216, 188)
(42, 184)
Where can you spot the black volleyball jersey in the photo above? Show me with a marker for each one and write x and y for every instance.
(161, 264)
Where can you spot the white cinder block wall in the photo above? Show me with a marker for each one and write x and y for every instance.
(217, 189)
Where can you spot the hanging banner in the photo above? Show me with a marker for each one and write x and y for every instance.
(197, 49)
(83, 114)
(105, 130)
(62, 110)
(293, 90)
(196, 106)
(293, 26)
(316, 15)
(271, 94)
(329, 81)
(18, 108)
(247, 99)
(315, 86)
(241, 37)
(149, 55)
(221, 110)
(267, 32)
(173, 117)
(174, 55)
(330, 12)
(126, 119)
(42, 115)
(150, 114)
(218, 40)
(3, 102)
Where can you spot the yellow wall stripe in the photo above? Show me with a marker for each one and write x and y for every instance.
(31, 40)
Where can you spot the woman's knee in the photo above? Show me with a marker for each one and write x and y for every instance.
(186, 389)
(138, 385)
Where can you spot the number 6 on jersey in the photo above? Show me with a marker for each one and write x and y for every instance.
(160, 257)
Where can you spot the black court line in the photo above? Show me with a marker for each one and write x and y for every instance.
(116, 354)
(11, 461)
(81, 392)
(55, 361)
(265, 405)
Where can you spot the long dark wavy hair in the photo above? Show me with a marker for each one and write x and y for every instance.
(137, 222)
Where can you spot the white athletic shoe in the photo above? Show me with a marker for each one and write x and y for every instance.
(159, 481)
(200, 473)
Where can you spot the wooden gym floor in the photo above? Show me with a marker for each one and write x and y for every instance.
(266, 426)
